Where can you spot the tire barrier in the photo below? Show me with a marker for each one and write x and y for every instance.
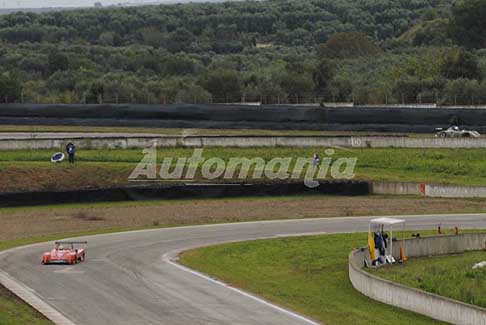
(182, 191)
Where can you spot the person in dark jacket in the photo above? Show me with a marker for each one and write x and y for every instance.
(71, 151)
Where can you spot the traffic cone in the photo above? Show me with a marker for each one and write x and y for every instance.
(403, 257)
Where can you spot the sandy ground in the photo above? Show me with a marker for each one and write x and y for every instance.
(192, 131)
(29, 222)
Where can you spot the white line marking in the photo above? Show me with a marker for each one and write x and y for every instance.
(167, 257)
(38, 303)
(281, 221)
(58, 318)
(241, 292)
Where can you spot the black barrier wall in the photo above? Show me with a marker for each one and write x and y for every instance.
(188, 191)
(240, 116)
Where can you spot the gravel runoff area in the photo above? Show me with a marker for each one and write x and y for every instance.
(18, 223)
(40, 129)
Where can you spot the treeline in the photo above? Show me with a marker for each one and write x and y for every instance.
(279, 51)
(222, 28)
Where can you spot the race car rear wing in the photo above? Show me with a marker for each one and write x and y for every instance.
(71, 242)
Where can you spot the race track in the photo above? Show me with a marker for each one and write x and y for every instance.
(129, 277)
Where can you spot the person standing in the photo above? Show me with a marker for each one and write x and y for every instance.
(316, 160)
(71, 151)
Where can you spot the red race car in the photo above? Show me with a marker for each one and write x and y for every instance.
(65, 255)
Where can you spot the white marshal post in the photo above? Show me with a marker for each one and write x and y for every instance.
(390, 222)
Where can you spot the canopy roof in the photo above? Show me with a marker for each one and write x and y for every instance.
(387, 221)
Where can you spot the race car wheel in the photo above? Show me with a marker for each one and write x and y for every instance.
(442, 135)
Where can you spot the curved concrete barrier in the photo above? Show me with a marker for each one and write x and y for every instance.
(416, 300)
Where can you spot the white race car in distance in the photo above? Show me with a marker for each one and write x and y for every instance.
(456, 132)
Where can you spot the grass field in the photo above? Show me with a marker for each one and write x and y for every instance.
(31, 170)
(306, 274)
(14, 311)
(450, 276)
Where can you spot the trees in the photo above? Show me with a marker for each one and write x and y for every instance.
(223, 84)
(179, 40)
(61, 81)
(10, 87)
(57, 61)
(257, 50)
(468, 25)
(348, 45)
(152, 36)
(298, 82)
(323, 75)
(464, 92)
(459, 63)
(297, 20)
(433, 32)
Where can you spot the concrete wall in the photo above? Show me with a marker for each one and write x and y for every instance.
(451, 191)
(240, 141)
(444, 191)
(406, 142)
(395, 188)
(416, 300)
(93, 143)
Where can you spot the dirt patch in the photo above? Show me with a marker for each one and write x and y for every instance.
(24, 223)
(62, 177)
(81, 215)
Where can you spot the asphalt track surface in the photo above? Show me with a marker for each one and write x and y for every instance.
(130, 278)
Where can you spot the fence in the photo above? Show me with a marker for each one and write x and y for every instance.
(184, 97)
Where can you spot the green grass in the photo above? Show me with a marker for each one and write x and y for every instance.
(306, 274)
(15, 312)
(450, 276)
(449, 166)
